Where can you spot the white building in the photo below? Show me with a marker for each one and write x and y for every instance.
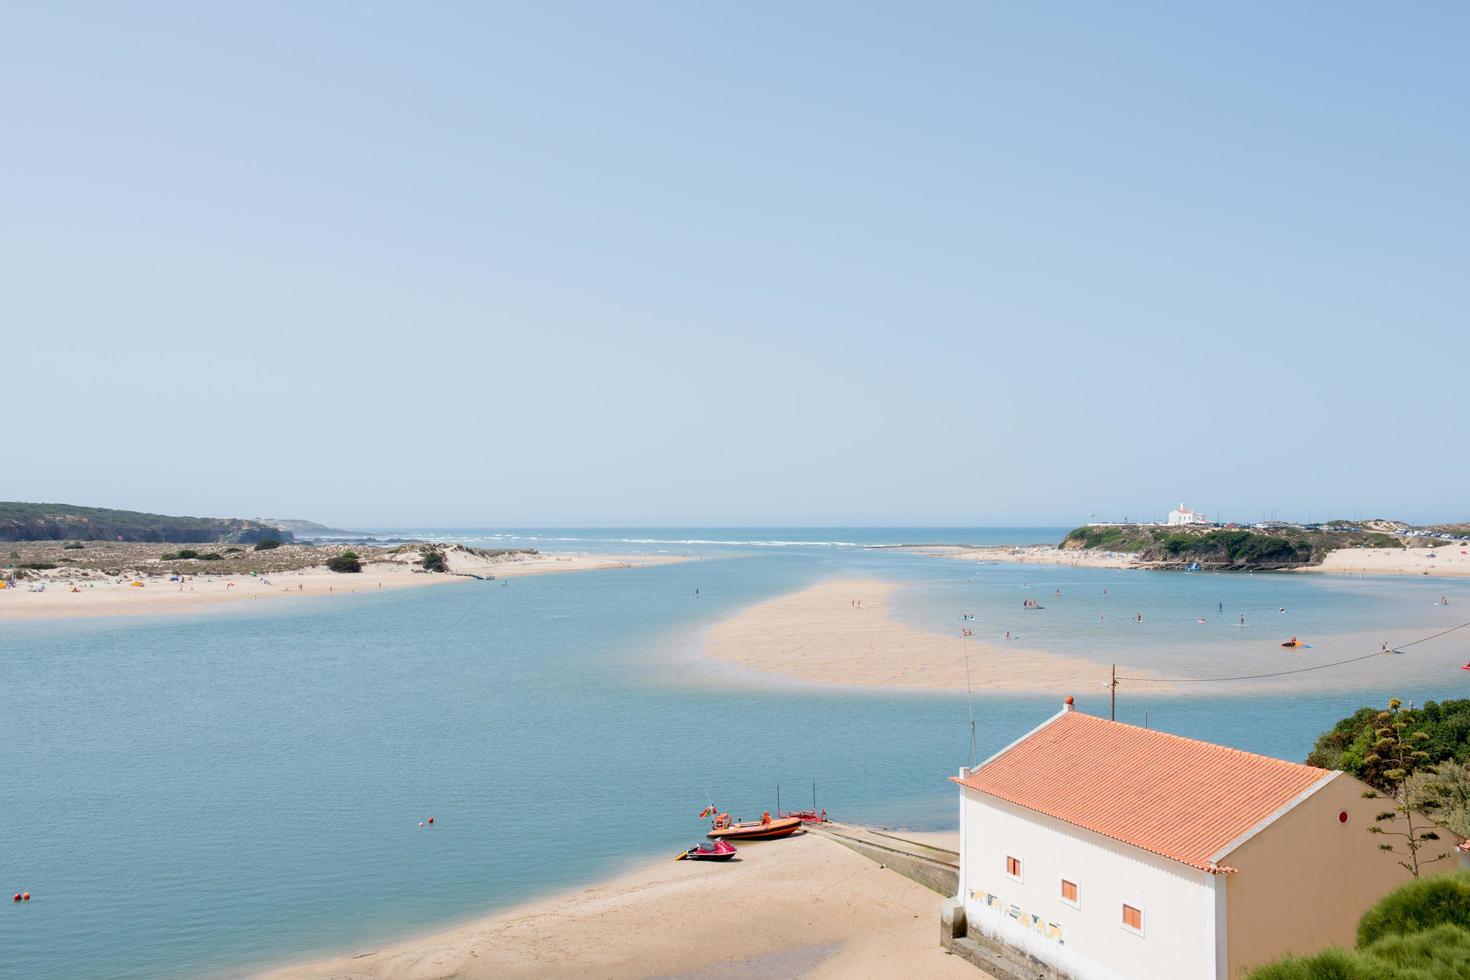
(1102, 850)
(1186, 516)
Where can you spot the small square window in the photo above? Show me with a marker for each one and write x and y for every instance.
(1069, 891)
(1132, 917)
(1013, 866)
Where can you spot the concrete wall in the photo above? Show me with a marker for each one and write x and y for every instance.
(1303, 882)
(1088, 942)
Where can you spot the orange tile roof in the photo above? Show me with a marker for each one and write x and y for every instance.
(1174, 796)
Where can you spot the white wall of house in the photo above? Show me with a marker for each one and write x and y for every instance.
(1088, 940)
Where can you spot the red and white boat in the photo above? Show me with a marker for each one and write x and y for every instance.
(714, 851)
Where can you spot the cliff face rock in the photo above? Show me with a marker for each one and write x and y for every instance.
(67, 522)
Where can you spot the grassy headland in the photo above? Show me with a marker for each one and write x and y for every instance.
(21, 521)
(1275, 547)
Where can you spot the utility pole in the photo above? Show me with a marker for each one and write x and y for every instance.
(1113, 695)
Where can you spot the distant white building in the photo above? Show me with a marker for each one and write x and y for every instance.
(1186, 516)
(1096, 850)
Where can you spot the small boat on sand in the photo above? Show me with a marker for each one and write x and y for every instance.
(714, 851)
(763, 829)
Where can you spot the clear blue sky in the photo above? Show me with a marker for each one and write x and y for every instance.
(685, 263)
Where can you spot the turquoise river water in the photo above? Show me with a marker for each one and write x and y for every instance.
(209, 794)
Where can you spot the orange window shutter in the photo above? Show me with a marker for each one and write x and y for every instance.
(1132, 917)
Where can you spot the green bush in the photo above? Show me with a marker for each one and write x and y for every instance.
(39, 566)
(180, 555)
(1418, 932)
(1419, 905)
(73, 546)
(1440, 953)
(212, 556)
(347, 561)
(433, 561)
(1330, 964)
(267, 545)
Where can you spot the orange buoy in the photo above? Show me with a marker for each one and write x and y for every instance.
(25, 896)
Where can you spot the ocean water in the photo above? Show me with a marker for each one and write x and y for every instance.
(206, 795)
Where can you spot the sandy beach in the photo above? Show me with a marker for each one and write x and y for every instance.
(1035, 554)
(65, 597)
(1452, 561)
(839, 632)
(804, 906)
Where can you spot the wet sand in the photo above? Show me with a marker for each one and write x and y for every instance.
(820, 635)
(804, 906)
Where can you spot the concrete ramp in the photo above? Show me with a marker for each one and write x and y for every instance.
(933, 867)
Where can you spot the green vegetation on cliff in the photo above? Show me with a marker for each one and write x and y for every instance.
(56, 522)
(1214, 547)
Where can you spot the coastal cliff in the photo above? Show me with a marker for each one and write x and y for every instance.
(68, 522)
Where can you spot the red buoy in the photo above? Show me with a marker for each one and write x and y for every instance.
(16, 898)
(25, 896)
(431, 820)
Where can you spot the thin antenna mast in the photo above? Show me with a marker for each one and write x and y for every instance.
(970, 701)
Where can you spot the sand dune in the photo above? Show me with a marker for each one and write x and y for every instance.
(119, 597)
(1449, 562)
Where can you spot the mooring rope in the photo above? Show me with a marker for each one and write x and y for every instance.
(1299, 670)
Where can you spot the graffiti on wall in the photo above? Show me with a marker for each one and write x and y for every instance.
(1026, 920)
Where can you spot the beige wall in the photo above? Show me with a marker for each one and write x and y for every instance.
(1303, 882)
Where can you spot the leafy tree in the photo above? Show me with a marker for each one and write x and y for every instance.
(433, 561)
(347, 561)
(1350, 741)
(1397, 754)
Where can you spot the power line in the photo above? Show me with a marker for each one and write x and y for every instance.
(1298, 670)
